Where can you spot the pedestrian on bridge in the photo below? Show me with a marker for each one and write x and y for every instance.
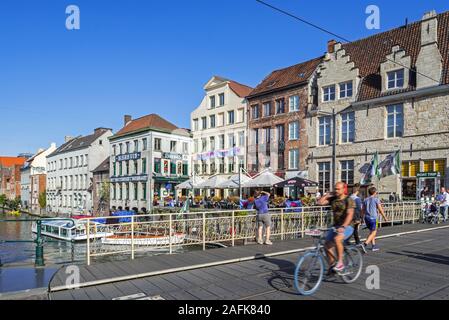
(371, 209)
(263, 217)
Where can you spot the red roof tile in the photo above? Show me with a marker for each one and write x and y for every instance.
(152, 121)
(11, 161)
(240, 89)
(282, 78)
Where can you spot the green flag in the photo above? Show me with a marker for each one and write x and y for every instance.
(372, 171)
(391, 165)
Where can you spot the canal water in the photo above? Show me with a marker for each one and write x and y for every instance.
(17, 258)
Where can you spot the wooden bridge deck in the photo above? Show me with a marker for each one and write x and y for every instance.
(414, 265)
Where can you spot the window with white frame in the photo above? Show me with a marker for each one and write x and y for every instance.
(231, 117)
(324, 131)
(203, 144)
(195, 145)
(173, 145)
(185, 148)
(212, 102)
(157, 144)
(267, 135)
(395, 121)
(324, 176)
(212, 143)
(212, 121)
(280, 106)
(195, 124)
(293, 130)
(347, 127)
(347, 171)
(204, 123)
(241, 138)
(293, 159)
(346, 90)
(267, 109)
(294, 103)
(231, 140)
(329, 93)
(395, 79)
(221, 99)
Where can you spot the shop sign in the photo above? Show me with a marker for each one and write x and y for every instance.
(130, 179)
(172, 156)
(129, 156)
(428, 175)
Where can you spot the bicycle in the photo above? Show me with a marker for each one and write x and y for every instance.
(309, 271)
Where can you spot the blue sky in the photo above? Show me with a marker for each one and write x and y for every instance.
(143, 56)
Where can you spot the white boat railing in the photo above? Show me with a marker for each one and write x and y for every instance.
(225, 227)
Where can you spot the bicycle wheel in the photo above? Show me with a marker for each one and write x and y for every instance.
(309, 273)
(353, 261)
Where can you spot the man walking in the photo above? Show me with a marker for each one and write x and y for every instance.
(263, 217)
(444, 206)
(357, 220)
(370, 212)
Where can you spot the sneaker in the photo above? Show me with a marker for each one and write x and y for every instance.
(375, 248)
(268, 242)
(339, 267)
(259, 241)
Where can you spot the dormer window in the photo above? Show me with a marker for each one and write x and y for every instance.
(329, 93)
(346, 90)
(395, 79)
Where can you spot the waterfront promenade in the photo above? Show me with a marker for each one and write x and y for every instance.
(413, 264)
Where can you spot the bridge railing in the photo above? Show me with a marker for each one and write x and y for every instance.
(167, 233)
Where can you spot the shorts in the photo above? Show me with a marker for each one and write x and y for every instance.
(371, 223)
(349, 230)
(263, 220)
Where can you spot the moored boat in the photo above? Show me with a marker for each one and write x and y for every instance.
(75, 230)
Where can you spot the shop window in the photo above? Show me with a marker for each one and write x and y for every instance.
(440, 166)
(428, 166)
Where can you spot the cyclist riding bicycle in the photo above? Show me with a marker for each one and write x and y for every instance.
(343, 211)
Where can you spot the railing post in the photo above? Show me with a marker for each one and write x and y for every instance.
(282, 225)
(204, 231)
(321, 218)
(132, 237)
(88, 242)
(392, 214)
(302, 224)
(233, 228)
(403, 214)
(169, 233)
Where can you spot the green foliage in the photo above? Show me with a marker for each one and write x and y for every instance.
(105, 191)
(3, 200)
(43, 200)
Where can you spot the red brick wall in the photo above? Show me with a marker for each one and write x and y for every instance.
(274, 120)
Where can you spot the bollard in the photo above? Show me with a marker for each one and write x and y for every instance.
(39, 261)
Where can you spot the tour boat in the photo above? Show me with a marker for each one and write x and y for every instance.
(71, 231)
(144, 239)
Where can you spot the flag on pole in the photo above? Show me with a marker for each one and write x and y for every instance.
(372, 171)
(391, 165)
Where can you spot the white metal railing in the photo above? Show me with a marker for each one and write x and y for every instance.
(169, 231)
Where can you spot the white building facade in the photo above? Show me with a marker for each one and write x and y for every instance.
(149, 156)
(69, 172)
(219, 128)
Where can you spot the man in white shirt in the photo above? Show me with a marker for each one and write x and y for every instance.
(444, 206)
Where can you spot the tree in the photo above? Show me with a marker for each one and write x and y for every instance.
(104, 195)
(3, 201)
(42, 200)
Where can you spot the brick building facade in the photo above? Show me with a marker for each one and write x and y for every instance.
(277, 110)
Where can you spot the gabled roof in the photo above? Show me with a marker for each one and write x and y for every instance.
(239, 89)
(11, 161)
(294, 75)
(369, 53)
(103, 167)
(150, 122)
(79, 143)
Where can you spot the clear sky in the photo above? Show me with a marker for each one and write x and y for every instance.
(143, 56)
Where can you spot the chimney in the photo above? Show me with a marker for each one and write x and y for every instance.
(68, 138)
(127, 119)
(330, 46)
